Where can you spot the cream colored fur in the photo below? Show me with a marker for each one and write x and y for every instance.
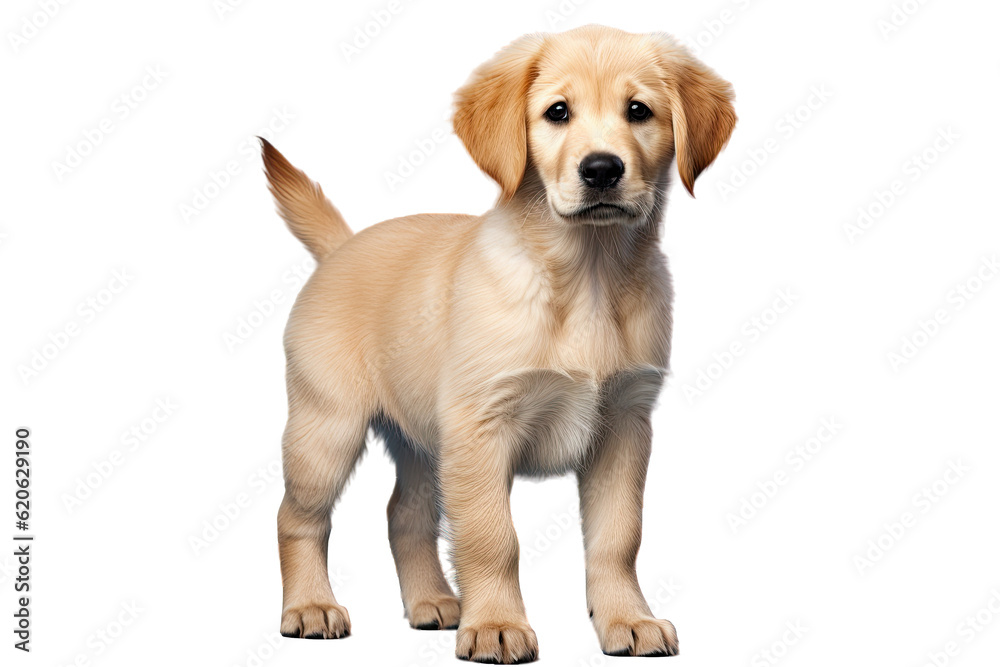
(530, 340)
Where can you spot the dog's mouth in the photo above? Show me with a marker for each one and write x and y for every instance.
(599, 211)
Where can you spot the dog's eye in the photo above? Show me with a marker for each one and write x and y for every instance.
(558, 112)
(638, 111)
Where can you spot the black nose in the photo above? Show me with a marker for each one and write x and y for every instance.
(601, 170)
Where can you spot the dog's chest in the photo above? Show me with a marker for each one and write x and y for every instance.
(589, 334)
(558, 321)
(567, 344)
(565, 398)
(560, 415)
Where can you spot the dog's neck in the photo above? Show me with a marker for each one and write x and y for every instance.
(580, 254)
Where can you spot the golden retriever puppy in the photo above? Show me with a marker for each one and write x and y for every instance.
(530, 340)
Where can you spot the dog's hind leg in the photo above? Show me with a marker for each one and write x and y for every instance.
(323, 441)
(414, 516)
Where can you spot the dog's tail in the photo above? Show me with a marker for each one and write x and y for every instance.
(302, 204)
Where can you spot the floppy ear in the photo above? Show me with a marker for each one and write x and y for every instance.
(490, 112)
(702, 108)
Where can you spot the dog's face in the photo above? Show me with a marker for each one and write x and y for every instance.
(599, 114)
(598, 128)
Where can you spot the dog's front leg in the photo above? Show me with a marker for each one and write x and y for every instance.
(476, 472)
(611, 489)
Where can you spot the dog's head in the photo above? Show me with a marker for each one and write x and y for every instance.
(599, 114)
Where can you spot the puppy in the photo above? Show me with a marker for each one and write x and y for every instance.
(530, 340)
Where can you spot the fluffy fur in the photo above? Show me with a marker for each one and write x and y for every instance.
(529, 340)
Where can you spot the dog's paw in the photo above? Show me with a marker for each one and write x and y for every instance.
(316, 621)
(438, 613)
(639, 636)
(497, 643)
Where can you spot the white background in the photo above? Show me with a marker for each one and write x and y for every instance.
(885, 95)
